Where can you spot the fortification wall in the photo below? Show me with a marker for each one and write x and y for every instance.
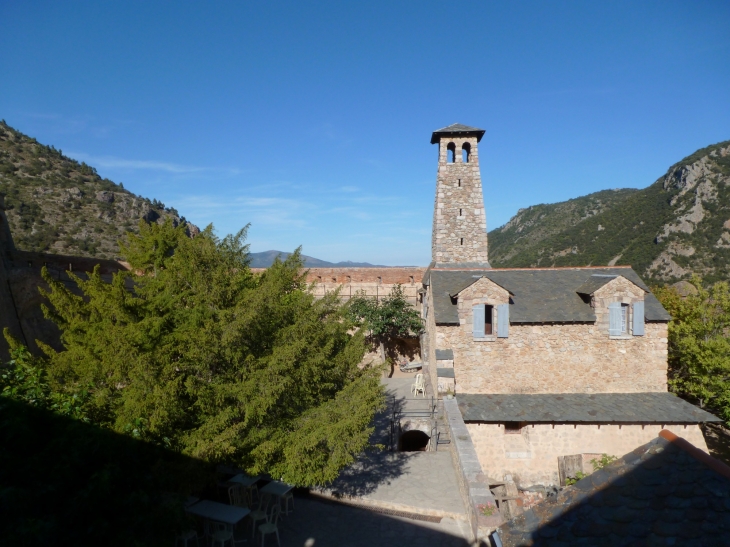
(374, 282)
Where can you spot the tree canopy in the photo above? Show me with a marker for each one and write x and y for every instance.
(699, 344)
(193, 351)
(388, 318)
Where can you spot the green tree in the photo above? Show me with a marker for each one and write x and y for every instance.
(392, 317)
(214, 361)
(699, 344)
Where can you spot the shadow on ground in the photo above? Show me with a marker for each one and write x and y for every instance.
(717, 437)
(66, 482)
(331, 524)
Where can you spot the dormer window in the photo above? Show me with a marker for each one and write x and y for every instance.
(620, 324)
(484, 317)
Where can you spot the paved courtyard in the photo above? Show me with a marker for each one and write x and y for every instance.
(317, 524)
(418, 482)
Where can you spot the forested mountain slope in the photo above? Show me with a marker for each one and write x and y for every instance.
(677, 226)
(55, 204)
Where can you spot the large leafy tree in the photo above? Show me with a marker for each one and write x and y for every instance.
(386, 319)
(699, 344)
(193, 351)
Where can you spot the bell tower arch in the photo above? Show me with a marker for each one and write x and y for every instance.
(459, 222)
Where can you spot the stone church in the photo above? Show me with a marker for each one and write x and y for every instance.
(544, 362)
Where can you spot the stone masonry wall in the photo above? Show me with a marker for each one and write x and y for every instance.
(459, 221)
(375, 282)
(531, 457)
(557, 358)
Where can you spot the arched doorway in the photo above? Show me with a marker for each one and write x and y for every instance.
(413, 441)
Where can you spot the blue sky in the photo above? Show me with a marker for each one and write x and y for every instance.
(312, 120)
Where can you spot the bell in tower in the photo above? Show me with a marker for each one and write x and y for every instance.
(459, 222)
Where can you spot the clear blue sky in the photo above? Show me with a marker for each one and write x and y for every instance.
(312, 120)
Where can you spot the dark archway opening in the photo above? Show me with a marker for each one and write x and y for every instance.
(414, 441)
(465, 152)
(450, 153)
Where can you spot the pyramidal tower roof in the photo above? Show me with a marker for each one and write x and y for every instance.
(457, 130)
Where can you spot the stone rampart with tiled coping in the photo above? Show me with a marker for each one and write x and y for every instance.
(473, 482)
(374, 282)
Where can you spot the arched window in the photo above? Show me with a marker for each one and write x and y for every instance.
(465, 152)
(450, 153)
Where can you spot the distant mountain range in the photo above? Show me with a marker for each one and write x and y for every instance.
(266, 259)
(676, 226)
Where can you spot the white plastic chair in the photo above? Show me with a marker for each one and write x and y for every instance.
(288, 496)
(270, 526)
(420, 385)
(237, 497)
(260, 513)
(187, 536)
(419, 379)
(222, 534)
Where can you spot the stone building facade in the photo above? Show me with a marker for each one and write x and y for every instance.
(545, 362)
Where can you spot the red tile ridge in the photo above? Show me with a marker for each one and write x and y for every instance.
(716, 465)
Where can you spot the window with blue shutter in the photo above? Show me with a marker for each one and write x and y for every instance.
(638, 325)
(503, 321)
(614, 319)
(478, 318)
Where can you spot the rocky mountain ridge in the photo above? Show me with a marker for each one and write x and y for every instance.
(678, 225)
(57, 205)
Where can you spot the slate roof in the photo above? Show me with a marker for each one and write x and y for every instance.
(457, 129)
(665, 492)
(659, 408)
(538, 295)
(444, 354)
(445, 372)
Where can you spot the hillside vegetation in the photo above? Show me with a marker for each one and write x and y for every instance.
(56, 204)
(677, 226)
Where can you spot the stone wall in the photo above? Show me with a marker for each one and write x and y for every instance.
(618, 290)
(531, 457)
(374, 282)
(557, 358)
(459, 221)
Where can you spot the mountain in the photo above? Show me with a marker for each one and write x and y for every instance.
(266, 259)
(677, 226)
(57, 205)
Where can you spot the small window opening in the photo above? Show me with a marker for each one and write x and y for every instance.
(488, 319)
(459, 183)
(624, 318)
(380, 280)
(349, 279)
(334, 280)
(319, 279)
(450, 152)
(512, 428)
(461, 212)
(462, 241)
(411, 278)
(465, 152)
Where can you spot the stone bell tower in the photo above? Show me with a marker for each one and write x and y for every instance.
(459, 222)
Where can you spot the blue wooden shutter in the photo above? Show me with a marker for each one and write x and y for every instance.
(478, 313)
(638, 329)
(614, 319)
(503, 320)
